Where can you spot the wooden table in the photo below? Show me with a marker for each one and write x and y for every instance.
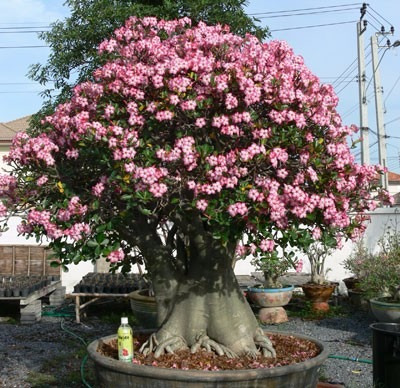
(30, 306)
(94, 296)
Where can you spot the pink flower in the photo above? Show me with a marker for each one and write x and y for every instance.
(239, 208)
(97, 189)
(201, 204)
(116, 256)
(267, 245)
(3, 210)
(42, 180)
(164, 115)
(299, 265)
(316, 233)
(200, 122)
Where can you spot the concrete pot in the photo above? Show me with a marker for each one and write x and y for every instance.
(271, 302)
(385, 311)
(114, 373)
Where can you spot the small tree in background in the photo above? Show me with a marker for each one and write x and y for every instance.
(189, 139)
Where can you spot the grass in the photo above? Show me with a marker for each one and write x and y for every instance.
(64, 371)
(300, 307)
(41, 380)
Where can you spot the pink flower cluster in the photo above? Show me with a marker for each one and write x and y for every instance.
(44, 219)
(25, 149)
(238, 208)
(116, 256)
(231, 124)
(183, 149)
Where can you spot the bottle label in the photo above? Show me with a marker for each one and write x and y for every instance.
(125, 344)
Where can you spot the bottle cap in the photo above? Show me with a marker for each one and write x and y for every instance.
(124, 320)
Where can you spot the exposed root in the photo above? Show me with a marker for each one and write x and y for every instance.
(169, 345)
(203, 341)
(262, 341)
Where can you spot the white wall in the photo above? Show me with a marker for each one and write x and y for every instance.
(68, 279)
(380, 219)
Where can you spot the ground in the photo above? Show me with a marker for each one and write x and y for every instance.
(46, 354)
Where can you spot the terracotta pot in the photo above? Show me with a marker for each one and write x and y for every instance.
(271, 301)
(113, 373)
(319, 294)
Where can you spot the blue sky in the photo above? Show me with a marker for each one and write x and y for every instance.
(328, 51)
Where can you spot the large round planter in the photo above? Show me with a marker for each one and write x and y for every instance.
(144, 308)
(114, 373)
(319, 295)
(385, 354)
(385, 311)
(271, 302)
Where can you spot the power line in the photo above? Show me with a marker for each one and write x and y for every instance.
(20, 47)
(374, 26)
(349, 111)
(18, 83)
(392, 121)
(370, 14)
(313, 26)
(345, 86)
(21, 92)
(23, 28)
(379, 15)
(344, 72)
(305, 13)
(21, 32)
(302, 9)
(391, 90)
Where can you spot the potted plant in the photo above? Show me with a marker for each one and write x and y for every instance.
(379, 278)
(318, 290)
(209, 137)
(271, 296)
(353, 263)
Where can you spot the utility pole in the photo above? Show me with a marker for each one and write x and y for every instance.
(379, 110)
(362, 88)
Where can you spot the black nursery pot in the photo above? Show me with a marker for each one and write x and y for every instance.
(16, 292)
(25, 292)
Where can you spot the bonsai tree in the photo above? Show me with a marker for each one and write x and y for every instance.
(188, 139)
(273, 266)
(317, 253)
(378, 273)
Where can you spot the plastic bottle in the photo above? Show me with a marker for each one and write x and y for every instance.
(125, 341)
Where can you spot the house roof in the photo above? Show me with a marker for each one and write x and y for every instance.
(394, 178)
(10, 128)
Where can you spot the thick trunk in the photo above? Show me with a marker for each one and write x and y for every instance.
(200, 304)
(209, 310)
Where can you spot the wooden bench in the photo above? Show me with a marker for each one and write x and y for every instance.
(92, 298)
(31, 260)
